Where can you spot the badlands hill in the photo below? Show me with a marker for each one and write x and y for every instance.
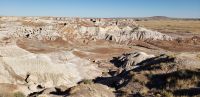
(94, 57)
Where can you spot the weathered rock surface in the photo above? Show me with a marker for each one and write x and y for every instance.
(124, 34)
(131, 60)
(91, 90)
(120, 32)
(19, 66)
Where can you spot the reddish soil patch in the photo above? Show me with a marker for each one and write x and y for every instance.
(109, 50)
(143, 44)
(101, 52)
(7, 87)
(36, 46)
(80, 54)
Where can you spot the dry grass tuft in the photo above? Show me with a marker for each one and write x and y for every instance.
(174, 26)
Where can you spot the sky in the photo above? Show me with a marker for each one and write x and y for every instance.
(101, 8)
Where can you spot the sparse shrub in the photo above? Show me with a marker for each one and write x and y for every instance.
(104, 73)
(183, 74)
(172, 56)
(132, 73)
(7, 94)
(158, 95)
(87, 81)
(137, 20)
(18, 94)
(127, 91)
(4, 95)
(188, 32)
(168, 26)
(150, 75)
(167, 94)
(198, 56)
(135, 80)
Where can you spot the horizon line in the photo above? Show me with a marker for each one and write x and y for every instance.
(105, 17)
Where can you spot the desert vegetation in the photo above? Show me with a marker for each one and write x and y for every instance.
(172, 26)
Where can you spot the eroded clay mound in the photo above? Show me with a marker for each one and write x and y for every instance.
(44, 70)
(120, 31)
(122, 34)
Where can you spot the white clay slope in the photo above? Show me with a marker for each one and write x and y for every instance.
(47, 70)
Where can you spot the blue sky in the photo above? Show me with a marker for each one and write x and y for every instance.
(101, 8)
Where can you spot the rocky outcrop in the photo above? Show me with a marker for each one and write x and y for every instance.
(122, 35)
(81, 90)
(131, 60)
(117, 30)
(91, 90)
